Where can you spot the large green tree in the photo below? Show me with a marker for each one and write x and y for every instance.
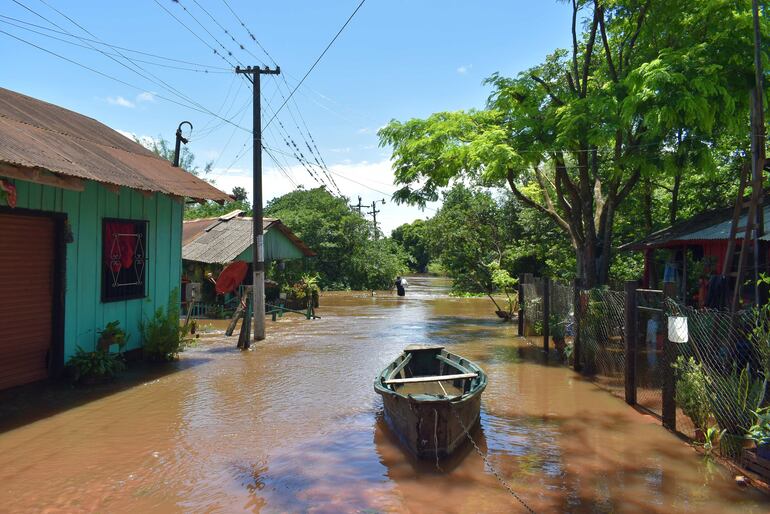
(347, 257)
(413, 238)
(645, 90)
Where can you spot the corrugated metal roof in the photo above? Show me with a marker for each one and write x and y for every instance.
(219, 241)
(39, 135)
(709, 226)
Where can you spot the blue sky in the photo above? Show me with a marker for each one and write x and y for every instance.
(397, 59)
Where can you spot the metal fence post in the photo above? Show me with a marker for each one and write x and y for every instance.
(546, 314)
(577, 365)
(669, 378)
(630, 332)
(521, 305)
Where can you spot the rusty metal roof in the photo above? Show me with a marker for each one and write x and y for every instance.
(220, 240)
(708, 226)
(39, 135)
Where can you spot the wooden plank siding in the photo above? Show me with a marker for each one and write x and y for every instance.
(85, 313)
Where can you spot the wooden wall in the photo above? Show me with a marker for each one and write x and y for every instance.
(85, 313)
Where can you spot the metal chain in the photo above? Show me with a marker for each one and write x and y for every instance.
(435, 438)
(487, 463)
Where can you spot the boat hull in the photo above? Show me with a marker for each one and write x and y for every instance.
(431, 399)
(431, 429)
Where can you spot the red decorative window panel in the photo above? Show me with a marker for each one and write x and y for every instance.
(124, 259)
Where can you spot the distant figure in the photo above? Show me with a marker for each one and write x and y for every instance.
(401, 285)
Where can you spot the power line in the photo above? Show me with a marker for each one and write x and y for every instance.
(251, 35)
(115, 47)
(316, 61)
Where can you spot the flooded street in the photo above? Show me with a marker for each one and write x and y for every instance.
(295, 426)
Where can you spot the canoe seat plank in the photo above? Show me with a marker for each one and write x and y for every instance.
(454, 364)
(437, 378)
(400, 368)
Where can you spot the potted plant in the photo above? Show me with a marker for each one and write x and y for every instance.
(692, 394)
(112, 334)
(734, 397)
(94, 367)
(759, 432)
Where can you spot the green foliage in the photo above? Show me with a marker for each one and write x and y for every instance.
(348, 258)
(759, 432)
(113, 334)
(644, 117)
(711, 437)
(692, 391)
(94, 366)
(239, 194)
(733, 398)
(214, 210)
(165, 150)
(413, 238)
(505, 284)
(163, 336)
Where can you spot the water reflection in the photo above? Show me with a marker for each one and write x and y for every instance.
(295, 426)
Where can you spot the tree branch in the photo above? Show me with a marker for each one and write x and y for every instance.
(639, 23)
(547, 88)
(606, 43)
(575, 45)
(589, 52)
(531, 203)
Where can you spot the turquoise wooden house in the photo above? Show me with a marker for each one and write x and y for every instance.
(90, 232)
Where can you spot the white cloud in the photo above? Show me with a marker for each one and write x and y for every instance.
(145, 97)
(120, 101)
(340, 150)
(364, 130)
(372, 181)
(141, 98)
(464, 69)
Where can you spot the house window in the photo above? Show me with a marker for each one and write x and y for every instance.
(124, 259)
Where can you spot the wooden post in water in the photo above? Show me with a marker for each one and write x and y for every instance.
(577, 365)
(546, 314)
(669, 378)
(521, 305)
(631, 333)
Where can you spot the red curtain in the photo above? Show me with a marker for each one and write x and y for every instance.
(119, 244)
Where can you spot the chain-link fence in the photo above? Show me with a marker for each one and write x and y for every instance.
(532, 305)
(720, 371)
(714, 377)
(602, 336)
(650, 338)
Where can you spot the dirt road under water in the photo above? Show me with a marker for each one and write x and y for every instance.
(295, 426)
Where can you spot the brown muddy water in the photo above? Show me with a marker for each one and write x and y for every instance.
(295, 426)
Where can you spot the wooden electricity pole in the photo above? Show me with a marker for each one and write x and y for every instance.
(373, 213)
(253, 74)
(358, 207)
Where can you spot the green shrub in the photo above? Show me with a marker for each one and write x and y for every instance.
(163, 337)
(692, 393)
(95, 366)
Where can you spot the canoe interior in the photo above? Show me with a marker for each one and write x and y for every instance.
(431, 417)
(427, 362)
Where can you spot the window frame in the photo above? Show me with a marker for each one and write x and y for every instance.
(104, 269)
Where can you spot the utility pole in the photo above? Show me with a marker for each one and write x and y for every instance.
(358, 207)
(253, 74)
(758, 161)
(373, 214)
(179, 141)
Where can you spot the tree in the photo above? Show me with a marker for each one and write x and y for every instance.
(346, 256)
(165, 150)
(240, 194)
(470, 231)
(573, 137)
(413, 238)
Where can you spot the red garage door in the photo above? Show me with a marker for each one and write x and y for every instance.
(27, 254)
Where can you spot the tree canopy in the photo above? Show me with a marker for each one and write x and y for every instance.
(650, 92)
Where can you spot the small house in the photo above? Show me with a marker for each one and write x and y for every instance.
(211, 243)
(90, 233)
(691, 252)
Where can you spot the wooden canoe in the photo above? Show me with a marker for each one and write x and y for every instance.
(424, 392)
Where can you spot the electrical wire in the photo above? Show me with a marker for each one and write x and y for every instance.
(317, 60)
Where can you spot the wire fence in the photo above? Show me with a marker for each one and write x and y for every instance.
(697, 369)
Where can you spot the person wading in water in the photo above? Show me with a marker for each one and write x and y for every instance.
(401, 284)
